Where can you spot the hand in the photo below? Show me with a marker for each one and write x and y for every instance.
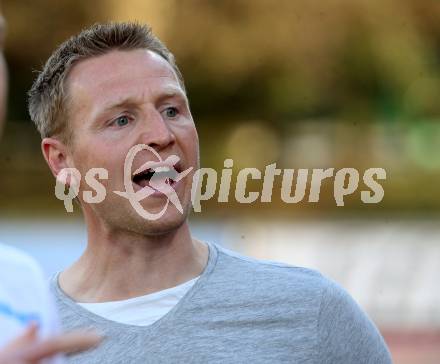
(28, 349)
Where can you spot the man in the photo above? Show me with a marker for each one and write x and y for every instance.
(26, 311)
(158, 294)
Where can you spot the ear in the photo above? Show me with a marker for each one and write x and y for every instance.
(55, 153)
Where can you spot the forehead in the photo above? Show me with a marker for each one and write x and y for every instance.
(105, 79)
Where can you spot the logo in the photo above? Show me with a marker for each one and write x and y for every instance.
(160, 176)
(163, 173)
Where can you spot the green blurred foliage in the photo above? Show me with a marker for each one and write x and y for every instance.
(367, 72)
(292, 59)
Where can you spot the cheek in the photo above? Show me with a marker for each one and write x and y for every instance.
(114, 180)
(190, 141)
(99, 156)
(196, 148)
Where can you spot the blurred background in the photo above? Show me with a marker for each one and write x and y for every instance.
(302, 84)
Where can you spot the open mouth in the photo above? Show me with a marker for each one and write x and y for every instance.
(162, 174)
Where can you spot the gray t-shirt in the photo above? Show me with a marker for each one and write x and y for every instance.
(241, 310)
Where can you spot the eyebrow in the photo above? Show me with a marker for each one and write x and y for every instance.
(166, 94)
(119, 104)
(170, 93)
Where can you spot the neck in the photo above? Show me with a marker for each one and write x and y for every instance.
(121, 265)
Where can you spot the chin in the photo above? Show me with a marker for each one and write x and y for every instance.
(164, 225)
(117, 216)
(169, 222)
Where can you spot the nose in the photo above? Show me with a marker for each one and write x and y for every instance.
(155, 131)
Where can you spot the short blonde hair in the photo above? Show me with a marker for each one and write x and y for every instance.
(47, 97)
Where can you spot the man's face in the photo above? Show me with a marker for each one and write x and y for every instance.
(119, 100)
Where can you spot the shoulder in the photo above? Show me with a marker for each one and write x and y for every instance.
(17, 265)
(238, 261)
(270, 277)
(24, 294)
(345, 332)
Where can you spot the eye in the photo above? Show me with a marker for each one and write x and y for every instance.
(121, 121)
(171, 112)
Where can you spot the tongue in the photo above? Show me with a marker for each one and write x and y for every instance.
(144, 182)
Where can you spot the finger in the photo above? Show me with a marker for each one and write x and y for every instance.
(23, 340)
(65, 343)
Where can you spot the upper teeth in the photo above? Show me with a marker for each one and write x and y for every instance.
(162, 169)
